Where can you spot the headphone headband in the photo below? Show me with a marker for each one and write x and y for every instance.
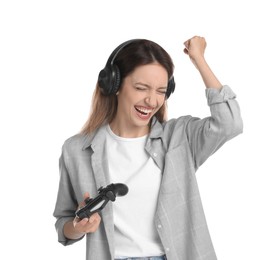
(115, 53)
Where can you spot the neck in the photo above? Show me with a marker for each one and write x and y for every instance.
(127, 131)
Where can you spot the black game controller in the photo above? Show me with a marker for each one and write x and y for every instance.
(105, 194)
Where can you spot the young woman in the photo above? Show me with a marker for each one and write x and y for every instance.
(127, 139)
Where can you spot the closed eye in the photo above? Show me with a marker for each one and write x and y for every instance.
(141, 88)
(162, 91)
(144, 87)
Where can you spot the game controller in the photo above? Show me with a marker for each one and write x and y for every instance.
(106, 194)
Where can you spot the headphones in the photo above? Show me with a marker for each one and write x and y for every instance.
(109, 78)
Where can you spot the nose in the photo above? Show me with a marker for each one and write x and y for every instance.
(151, 99)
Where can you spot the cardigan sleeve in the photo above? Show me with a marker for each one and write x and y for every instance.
(207, 135)
(66, 203)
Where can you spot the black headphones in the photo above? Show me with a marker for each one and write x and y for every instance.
(109, 78)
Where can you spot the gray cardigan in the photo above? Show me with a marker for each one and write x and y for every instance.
(178, 147)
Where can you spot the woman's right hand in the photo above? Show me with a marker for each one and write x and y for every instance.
(87, 225)
(79, 227)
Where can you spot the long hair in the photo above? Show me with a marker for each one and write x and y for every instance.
(137, 53)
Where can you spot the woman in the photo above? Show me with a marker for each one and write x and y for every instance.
(127, 139)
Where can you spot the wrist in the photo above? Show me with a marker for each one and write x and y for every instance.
(199, 61)
(71, 232)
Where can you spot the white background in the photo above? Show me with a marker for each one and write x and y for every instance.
(50, 55)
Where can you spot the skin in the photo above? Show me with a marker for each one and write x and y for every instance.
(143, 90)
(140, 97)
(195, 48)
(77, 228)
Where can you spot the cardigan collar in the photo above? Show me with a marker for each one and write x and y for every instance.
(97, 137)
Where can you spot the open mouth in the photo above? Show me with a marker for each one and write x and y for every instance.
(143, 112)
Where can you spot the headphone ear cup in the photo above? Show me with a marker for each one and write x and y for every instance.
(109, 80)
(103, 81)
(170, 87)
(115, 79)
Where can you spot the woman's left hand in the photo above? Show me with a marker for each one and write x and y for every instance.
(195, 48)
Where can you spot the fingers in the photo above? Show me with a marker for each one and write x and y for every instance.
(87, 225)
(196, 42)
(186, 49)
(194, 38)
(95, 218)
(187, 45)
(86, 195)
(194, 48)
(78, 223)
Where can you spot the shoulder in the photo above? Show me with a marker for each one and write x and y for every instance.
(180, 121)
(74, 140)
(79, 143)
(178, 125)
(74, 144)
(173, 130)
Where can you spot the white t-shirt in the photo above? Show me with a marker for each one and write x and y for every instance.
(129, 163)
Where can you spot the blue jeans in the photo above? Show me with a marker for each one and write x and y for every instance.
(144, 258)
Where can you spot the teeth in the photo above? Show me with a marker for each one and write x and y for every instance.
(144, 110)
